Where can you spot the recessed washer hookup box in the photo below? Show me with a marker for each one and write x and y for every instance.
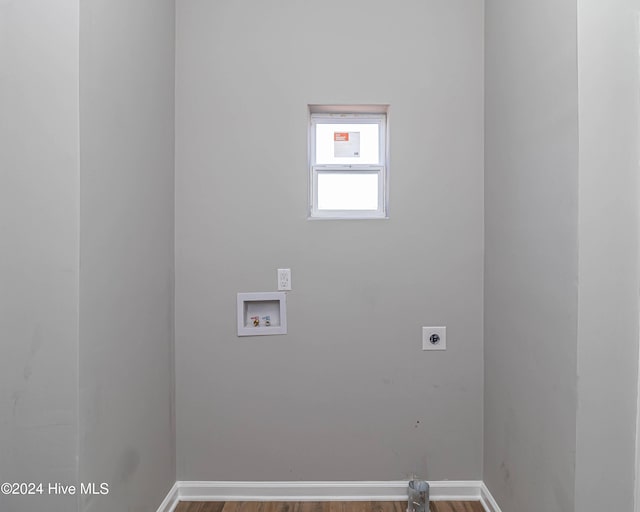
(262, 313)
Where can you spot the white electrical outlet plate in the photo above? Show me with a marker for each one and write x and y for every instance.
(434, 338)
(284, 279)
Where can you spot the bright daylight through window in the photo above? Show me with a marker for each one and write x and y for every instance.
(348, 164)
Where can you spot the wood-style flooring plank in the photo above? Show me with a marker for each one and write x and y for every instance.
(200, 506)
(246, 506)
(311, 506)
(278, 506)
(349, 506)
(455, 506)
(388, 506)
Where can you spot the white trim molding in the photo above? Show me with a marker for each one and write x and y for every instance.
(170, 503)
(487, 500)
(291, 491)
(443, 490)
(636, 505)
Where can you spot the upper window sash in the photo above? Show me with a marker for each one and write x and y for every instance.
(326, 159)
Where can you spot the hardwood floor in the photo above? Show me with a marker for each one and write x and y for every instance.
(322, 506)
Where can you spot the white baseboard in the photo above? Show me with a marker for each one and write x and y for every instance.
(291, 491)
(444, 490)
(487, 500)
(171, 501)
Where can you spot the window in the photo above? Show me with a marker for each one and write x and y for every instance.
(348, 164)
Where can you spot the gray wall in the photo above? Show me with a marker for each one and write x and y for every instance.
(608, 234)
(531, 262)
(126, 228)
(38, 248)
(348, 393)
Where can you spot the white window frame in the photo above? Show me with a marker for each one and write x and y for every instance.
(380, 169)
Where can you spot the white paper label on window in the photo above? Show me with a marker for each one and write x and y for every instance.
(346, 144)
